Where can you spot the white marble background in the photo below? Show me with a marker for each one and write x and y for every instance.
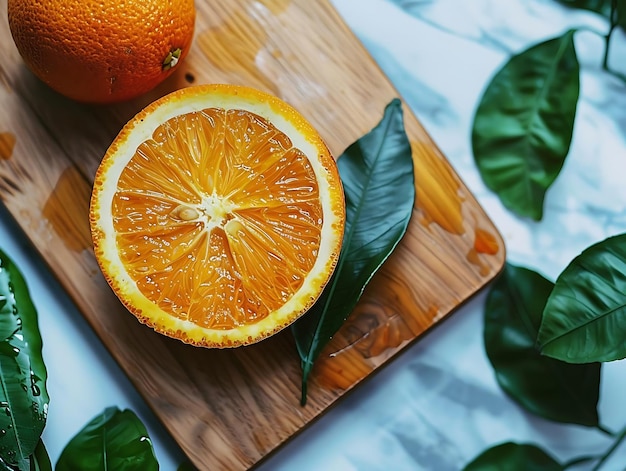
(437, 405)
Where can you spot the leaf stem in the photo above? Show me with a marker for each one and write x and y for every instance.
(606, 431)
(612, 448)
(614, 23)
(607, 37)
(580, 460)
(303, 391)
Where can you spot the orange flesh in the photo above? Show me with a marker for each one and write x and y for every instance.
(218, 218)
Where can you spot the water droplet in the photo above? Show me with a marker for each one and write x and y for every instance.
(7, 410)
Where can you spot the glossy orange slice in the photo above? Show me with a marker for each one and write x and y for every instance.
(217, 215)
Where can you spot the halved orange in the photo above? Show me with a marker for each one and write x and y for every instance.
(217, 215)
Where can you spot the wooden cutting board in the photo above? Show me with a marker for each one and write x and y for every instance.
(230, 409)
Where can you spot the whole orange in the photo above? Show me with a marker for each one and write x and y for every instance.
(102, 51)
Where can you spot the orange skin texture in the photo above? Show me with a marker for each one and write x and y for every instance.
(101, 51)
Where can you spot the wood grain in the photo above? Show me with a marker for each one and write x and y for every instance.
(230, 409)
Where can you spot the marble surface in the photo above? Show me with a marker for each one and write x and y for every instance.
(437, 405)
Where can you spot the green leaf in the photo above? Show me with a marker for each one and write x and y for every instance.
(514, 457)
(40, 461)
(585, 317)
(544, 386)
(114, 440)
(603, 7)
(23, 394)
(524, 122)
(186, 466)
(378, 179)
(619, 17)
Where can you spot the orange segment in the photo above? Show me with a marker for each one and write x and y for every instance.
(217, 215)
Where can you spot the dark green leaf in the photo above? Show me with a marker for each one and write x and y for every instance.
(23, 394)
(616, 17)
(514, 457)
(186, 466)
(523, 126)
(114, 440)
(585, 316)
(603, 7)
(619, 16)
(547, 387)
(40, 461)
(378, 179)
